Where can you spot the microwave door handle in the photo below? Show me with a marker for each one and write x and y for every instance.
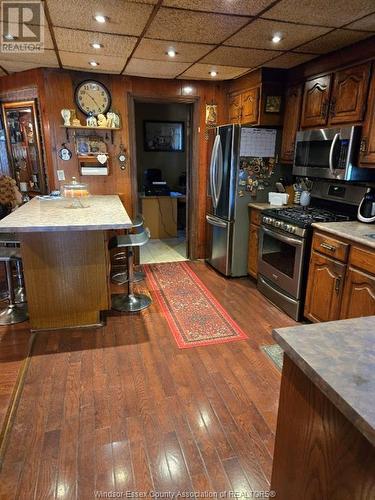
(331, 166)
(281, 237)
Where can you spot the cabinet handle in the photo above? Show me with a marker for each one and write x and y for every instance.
(332, 108)
(363, 146)
(329, 247)
(324, 109)
(337, 284)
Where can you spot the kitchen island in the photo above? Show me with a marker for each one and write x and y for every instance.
(65, 258)
(325, 437)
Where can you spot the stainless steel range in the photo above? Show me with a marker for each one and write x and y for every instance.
(285, 241)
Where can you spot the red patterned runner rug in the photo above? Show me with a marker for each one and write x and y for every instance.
(193, 314)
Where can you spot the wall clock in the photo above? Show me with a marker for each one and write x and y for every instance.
(92, 97)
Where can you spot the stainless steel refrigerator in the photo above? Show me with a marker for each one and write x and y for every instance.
(227, 218)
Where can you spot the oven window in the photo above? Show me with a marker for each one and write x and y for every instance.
(279, 255)
(313, 153)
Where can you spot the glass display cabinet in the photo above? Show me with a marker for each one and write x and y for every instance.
(23, 140)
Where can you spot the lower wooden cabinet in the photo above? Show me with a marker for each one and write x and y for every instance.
(340, 286)
(359, 294)
(252, 262)
(323, 298)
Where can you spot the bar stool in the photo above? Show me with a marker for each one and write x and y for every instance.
(14, 313)
(11, 239)
(130, 302)
(121, 277)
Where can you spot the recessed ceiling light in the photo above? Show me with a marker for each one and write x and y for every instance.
(213, 73)
(9, 37)
(96, 45)
(276, 38)
(171, 53)
(99, 18)
(94, 63)
(187, 90)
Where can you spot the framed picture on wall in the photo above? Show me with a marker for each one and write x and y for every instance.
(272, 104)
(164, 136)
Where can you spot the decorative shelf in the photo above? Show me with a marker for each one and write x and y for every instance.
(85, 127)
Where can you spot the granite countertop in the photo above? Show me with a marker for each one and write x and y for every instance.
(339, 358)
(352, 230)
(103, 212)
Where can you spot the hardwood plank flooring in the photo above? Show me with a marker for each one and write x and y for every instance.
(123, 409)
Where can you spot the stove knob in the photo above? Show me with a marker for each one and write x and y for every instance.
(277, 223)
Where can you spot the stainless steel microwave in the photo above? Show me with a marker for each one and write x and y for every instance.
(329, 153)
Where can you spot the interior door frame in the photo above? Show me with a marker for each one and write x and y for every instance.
(192, 157)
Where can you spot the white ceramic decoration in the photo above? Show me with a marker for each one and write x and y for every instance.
(102, 158)
(102, 120)
(116, 120)
(76, 122)
(65, 113)
(110, 120)
(91, 121)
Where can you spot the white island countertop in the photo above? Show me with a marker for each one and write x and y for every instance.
(104, 212)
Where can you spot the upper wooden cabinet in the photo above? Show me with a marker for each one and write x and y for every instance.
(292, 113)
(316, 102)
(349, 94)
(367, 151)
(244, 107)
(235, 108)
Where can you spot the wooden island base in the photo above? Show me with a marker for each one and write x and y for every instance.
(66, 277)
(319, 454)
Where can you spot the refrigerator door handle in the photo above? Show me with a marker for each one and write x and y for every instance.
(219, 172)
(213, 169)
(216, 222)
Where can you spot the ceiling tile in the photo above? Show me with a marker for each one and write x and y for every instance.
(71, 60)
(243, 7)
(153, 69)
(69, 40)
(333, 41)
(247, 58)
(320, 12)
(127, 18)
(289, 60)
(13, 66)
(45, 58)
(259, 34)
(201, 72)
(366, 23)
(185, 52)
(193, 26)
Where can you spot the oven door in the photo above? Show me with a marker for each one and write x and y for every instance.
(281, 260)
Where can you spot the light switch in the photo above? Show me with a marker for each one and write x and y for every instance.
(61, 175)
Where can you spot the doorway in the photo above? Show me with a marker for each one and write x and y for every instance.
(162, 149)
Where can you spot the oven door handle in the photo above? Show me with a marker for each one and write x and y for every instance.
(331, 167)
(281, 237)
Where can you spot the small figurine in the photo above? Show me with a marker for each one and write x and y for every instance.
(113, 120)
(102, 121)
(65, 113)
(91, 120)
(73, 118)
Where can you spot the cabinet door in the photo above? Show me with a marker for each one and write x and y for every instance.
(315, 102)
(367, 153)
(359, 295)
(349, 94)
(292, 113)
(235, 108)
(252, 262)
(324, 288)
(250, 106)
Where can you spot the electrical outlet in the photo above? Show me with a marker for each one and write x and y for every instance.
(61, 175)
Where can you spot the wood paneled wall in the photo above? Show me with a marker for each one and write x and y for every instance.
(56, 91)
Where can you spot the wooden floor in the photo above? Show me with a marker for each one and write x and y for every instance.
(123, 409)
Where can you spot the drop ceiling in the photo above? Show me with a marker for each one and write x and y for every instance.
(231, 37)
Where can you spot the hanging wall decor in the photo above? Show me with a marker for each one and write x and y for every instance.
(211, 118)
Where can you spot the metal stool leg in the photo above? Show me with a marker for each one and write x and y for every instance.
(132, 302)
(20, 293)
(14, 313)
